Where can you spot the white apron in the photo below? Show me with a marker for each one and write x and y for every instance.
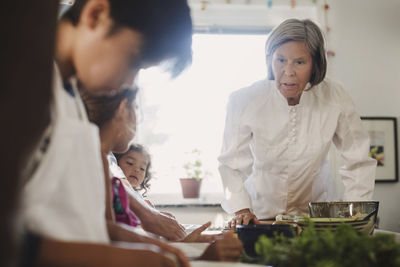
(65, 198)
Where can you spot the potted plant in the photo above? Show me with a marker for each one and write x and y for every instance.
(194, 173)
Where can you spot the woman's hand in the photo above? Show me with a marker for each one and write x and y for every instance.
(242, 217)
(154, 221)
(224, 248)
(168, 214)
(164, 226)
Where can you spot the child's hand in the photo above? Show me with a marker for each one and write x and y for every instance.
(196, 235)
(180, 256)
(224, 248)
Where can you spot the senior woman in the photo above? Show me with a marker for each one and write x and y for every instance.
(279, 130)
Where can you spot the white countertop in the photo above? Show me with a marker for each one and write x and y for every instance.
(221, 264)
(381, 231)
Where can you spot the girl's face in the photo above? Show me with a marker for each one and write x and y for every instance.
(292, 66)
(134, 165)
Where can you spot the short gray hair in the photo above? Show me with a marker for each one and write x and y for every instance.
(299, 30)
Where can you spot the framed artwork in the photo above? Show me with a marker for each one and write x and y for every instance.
(383, 134)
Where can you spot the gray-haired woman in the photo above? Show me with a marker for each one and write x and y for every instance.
(279, 130)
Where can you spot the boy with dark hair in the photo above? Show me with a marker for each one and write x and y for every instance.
(105, 43)
(116, 38)
(165, 27)
(100, 44)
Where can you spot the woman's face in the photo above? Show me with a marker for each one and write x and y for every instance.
(292, 66)
(134, 165)
(127, 129)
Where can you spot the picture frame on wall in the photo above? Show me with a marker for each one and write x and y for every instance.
(383, 147)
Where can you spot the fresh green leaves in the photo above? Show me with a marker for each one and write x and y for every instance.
(194, 166)
(344, 247)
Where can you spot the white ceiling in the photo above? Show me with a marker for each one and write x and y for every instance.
(244, 15)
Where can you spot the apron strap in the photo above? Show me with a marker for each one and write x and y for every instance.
(79, 102)
(59, 103)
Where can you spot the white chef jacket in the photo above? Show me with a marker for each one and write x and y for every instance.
(274, 156)
(65, 198)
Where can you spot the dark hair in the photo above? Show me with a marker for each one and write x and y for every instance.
(165, 24)
(101, 109)
(145, 185)
(299, 30)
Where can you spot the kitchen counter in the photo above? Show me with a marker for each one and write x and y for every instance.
(221, 264)
(380, 231)
(194, 250)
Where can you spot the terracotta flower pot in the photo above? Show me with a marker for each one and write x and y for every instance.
(190, 187)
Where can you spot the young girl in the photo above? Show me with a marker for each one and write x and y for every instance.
(136, 163)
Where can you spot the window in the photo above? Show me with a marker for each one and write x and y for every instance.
(189, 112)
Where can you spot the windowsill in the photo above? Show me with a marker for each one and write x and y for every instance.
(176, 200)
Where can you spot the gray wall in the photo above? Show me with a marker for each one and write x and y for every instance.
(365, 35)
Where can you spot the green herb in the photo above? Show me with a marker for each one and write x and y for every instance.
(344, 247)
(194, 167)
